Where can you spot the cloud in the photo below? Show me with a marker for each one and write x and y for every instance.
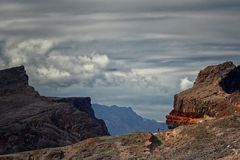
(129, 52)
(48, 65)
(53, 68)
(185, 83)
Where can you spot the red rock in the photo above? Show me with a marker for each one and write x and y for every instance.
(208, 98)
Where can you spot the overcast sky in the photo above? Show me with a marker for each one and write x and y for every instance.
(136, 53)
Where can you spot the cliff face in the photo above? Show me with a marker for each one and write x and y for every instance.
(214, 94)
(13, 81)
(29, 121)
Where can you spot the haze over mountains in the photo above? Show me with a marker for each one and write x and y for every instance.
(123, 120)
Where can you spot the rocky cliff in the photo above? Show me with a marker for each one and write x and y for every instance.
(13, 81)
(214, 94)
(29, 121)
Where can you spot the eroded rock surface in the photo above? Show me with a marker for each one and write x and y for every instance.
(29, 121)
(218, 139)
(214, 94)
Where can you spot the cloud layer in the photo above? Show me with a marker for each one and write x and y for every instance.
(185, 83)
(131, 52)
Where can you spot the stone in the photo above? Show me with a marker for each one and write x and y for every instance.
(213, 95)
(29, 121)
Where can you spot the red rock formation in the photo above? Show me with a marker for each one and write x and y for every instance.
(214, 94)
(184, 120)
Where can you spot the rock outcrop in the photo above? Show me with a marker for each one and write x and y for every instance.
(218, 139)
(13, 81)
(29, 121)
(214, 94)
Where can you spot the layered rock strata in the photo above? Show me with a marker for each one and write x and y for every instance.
(214, 94)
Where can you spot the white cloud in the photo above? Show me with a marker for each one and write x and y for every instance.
(51, 67)
(185, 83)
(47, 65)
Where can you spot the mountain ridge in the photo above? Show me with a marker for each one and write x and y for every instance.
(122, 120)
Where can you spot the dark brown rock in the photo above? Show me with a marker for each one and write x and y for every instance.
(212, 75)
(231, 83)
(29, 121)
(14, 80)
(213, 95)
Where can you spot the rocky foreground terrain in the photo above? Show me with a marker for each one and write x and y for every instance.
(210, 109)
(29, 121)
(214, 94)
(218, 139)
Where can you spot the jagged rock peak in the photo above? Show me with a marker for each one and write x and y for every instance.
(14, 80)
(214, 74)
(13, 75)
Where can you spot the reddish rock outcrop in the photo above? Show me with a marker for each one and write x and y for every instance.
(215, 93)
(29, 121)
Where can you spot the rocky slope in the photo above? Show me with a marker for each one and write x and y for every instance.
(123, 120)
(29, 121)
(218, 139)
(214, 94)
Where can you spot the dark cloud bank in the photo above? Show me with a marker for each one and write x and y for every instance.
(131, 52)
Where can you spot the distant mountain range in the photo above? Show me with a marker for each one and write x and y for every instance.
(122, 120)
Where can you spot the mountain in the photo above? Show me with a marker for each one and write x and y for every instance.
(122, 120)
(214, 94)
(29, 121)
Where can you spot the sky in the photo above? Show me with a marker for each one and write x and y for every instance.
(136, 53)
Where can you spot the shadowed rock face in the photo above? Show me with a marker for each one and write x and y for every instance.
(29, 121)
(231, 83)
(214, 94)
(83, 104)
(14, 80)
